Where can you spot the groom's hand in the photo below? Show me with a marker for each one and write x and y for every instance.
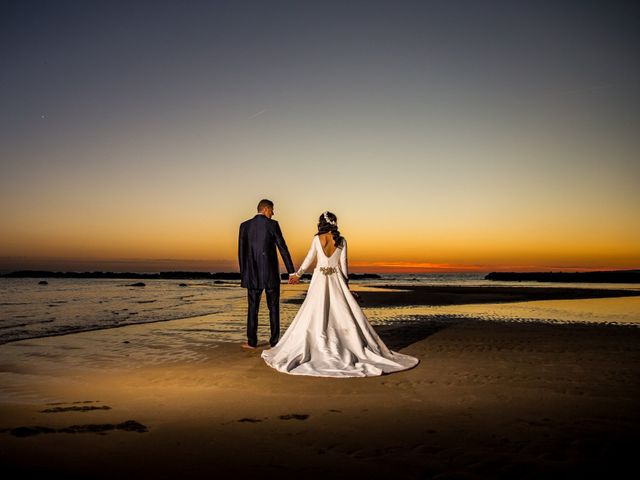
(293, 279)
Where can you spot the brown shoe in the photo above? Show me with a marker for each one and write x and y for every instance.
(247, 346)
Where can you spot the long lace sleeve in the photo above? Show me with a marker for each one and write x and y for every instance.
(308, 259)
(343, 261)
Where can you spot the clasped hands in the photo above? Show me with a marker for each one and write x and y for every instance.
(293, 279)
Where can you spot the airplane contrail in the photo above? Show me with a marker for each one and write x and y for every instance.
(256, 114)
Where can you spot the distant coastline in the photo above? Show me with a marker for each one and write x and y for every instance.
(613, 276)
(173, 275)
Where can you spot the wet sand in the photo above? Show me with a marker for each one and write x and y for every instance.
(487, 400)
(395, 296)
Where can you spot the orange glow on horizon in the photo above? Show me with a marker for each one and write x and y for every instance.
(152, 265)
(409, 267)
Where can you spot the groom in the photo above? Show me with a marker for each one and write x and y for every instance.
(259, 269)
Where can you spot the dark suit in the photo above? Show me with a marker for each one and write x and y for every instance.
(259, 271)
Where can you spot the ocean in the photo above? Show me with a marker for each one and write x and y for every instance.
(68, 305)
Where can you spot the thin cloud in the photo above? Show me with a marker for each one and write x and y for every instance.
(258, 113)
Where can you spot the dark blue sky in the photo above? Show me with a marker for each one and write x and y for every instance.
(91, 64)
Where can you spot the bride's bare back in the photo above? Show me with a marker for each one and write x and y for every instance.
(327, 243)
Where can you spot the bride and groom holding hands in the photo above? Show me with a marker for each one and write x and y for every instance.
(329, 336)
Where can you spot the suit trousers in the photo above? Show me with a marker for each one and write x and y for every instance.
(273, 302)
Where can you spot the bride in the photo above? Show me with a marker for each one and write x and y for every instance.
(330, 336)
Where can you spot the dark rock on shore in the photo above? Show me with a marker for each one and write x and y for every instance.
(361, 276)
(75, 408)
(128, 426)
(614, 276)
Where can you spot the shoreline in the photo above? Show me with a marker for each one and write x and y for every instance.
(489, 399)
(383, 296)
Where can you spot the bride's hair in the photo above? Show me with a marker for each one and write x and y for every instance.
(328, 222)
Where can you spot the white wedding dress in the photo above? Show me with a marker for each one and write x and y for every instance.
(330, 335)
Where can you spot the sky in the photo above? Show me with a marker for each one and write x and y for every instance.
(445, 135)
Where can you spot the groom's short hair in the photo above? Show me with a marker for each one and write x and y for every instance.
(264, 203)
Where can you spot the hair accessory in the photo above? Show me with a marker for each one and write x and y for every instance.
(326, 219)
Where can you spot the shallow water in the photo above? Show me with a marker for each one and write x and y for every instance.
(29, 310)
(611, 311)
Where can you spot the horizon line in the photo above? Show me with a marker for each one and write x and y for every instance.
(10, 264)
(380, 272)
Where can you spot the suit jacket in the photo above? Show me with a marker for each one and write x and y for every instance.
(257, 255)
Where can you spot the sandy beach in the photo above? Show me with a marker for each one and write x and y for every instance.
(488, 399)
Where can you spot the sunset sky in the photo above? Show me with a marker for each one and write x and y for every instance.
(446, 136)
